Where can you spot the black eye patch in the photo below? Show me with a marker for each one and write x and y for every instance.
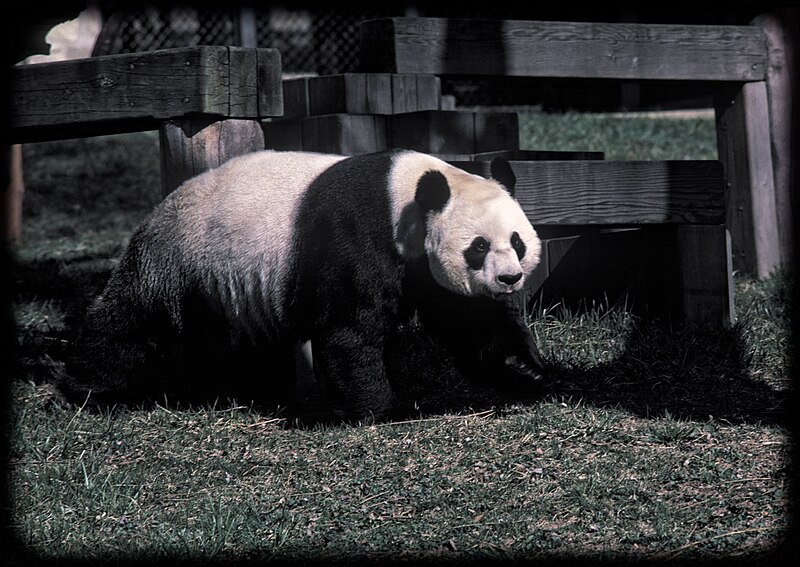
(476, 253)
(518, 245)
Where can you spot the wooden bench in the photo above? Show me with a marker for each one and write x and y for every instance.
(731, 61)
(206, 102)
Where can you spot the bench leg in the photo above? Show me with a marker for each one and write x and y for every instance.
(706, 278)
(743, 144)
(191, 146)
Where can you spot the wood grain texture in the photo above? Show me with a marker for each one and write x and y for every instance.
(345, 134)
(133, 91)
(616, 192)
(454, 132)
(782, 30)
(193, 145)
(521, 48)
(743, 143)
(360, 93)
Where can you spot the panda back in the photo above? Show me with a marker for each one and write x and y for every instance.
(235, 225)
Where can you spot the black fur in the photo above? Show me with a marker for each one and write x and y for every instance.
(501, 171)
(486, 337)
(518, 245)
(475, 255)
(348, 307)
(432, 191)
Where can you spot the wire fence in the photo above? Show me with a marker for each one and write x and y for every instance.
(310, 42)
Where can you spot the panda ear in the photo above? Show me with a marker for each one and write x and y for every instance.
(502, 172)
(433, 192)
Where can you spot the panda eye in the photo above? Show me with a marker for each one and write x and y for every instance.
(518, 245)
(475, 255)
(480, 244)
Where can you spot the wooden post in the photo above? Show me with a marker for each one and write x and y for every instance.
(193, 145)
(706, 275)
(743, 144)
(781, 31)
(11, 203)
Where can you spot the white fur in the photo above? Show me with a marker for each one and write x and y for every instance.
(477, 207)
(241, 229)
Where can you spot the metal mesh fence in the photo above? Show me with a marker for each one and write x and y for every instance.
(310, 41)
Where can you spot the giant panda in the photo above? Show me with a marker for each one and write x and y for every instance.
(274, 248)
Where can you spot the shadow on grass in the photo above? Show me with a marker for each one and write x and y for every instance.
(688, 373)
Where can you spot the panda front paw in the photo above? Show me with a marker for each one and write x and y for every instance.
(522, 377)
(517, 365)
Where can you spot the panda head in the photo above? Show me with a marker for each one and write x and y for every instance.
(477, 238)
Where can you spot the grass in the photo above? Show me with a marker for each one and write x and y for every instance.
(648, 443)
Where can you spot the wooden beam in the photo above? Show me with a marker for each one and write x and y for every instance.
(134, 91)
(706, 275)
(454, 131)
(616, 192)
(743, 144)
(193, 145)
(360, 93)
(518, 48)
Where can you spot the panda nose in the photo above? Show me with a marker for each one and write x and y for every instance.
(510, 279)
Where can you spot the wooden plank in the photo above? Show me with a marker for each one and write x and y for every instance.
(616, 192)
(194, 145)
(334, 94)
(283, 134)
(434, 131)
(133, 91)
(404, 94)
(269, 73)
(243, 92)
(743, 144)
(429, 92)
(519, 48)
(345, 134)
(706, 275)
(378, 94)
(454, 132)
(295, 98)
(367, 93)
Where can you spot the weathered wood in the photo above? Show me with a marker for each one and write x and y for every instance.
(345, 134)
(743, 144)
(360, 93)
(520, 48)
(616, 192)
(295, 98)
(783, 41)
(11, 195)
(134, 91)
(194, 145)
(454, 131)
(706, 275)
(269, 93)
(285, 135)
